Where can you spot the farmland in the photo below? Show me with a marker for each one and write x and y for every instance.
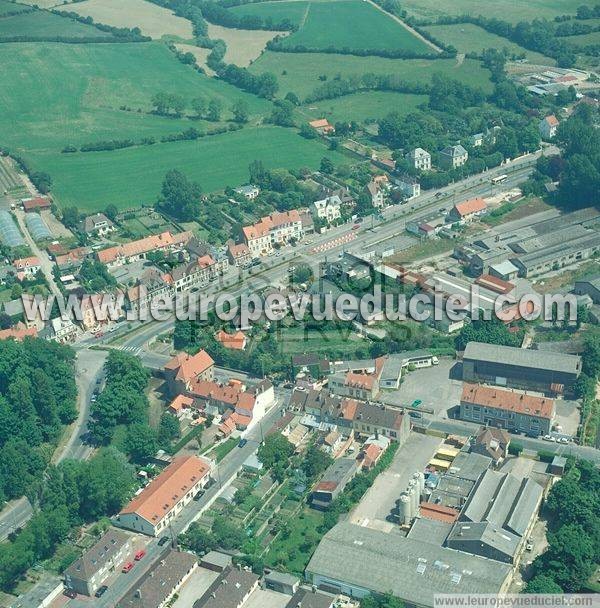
(509, 10)
(10, 7)
(243, 46)
(277, 11)
(153, 20)
(133, 176)
(86, 85)
(303, 70)
(584, 39)
(470, 38)
(361, 106)
(358, 25)
(45, 25)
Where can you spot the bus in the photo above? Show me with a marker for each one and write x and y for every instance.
(499, 179)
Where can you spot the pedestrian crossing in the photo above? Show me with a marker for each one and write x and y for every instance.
(134, 350)
(341, 240)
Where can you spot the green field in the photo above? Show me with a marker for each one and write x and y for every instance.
(361, 106)
(470, 38)
(134, 175)
(277, 11)
(583, 39)
(46, 25)
(304, 69)
(352, 24)
(507, 10)
(60, 94)
(10, 7)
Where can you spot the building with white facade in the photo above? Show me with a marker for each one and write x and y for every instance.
(419, 159)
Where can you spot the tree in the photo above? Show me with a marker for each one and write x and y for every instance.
(214, 110)
(240, 111)
(257, 172)
(168, 429)
(326, 166)
(71, 217)
(542, 584)
(180, 197)
(16, 291)
(283, 113)
(199, 106)
(141, 442)
(307, 131)
(493, 331)
(111, 212)
(292, 98)
(160, 101)
(275, 449)
(315, 462)
(302, 273)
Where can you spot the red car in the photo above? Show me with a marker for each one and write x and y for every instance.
(356, 227)
(139, 555)
(127, 567)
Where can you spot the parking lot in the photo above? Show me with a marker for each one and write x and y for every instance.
(377, 504)
(432, 386)
(567, 416)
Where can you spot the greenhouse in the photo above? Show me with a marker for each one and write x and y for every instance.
(9, 232)
(37, 227)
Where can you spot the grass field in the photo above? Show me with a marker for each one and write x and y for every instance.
(134, 175)
(85, 85)
(361, 106)
(303, 69)
(153, 20)
(243, 46)
(583, 39)
(507, 10)
(277, 11)
(352, 24)
(9, 7)
(198, 52)
(46, 25)
(470, 38)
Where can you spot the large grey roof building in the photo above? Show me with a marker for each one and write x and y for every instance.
(356, 560)
(230, 590)
(538, 370)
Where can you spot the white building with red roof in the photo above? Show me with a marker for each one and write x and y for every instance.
(277, 229)
(159, 503)
(185, 369)
(548, 127)
(467, 210)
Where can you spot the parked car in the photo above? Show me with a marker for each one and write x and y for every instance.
(139, 555)
(242, 443)
(198, 495)
(127, 567)
(163, 541)
(101, 591)
(549, 438)
(416, 403)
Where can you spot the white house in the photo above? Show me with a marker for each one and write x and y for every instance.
(409, 186)
(328, 209)
(279, 228)
(161, 501)
(249, 192)
(419, 159)
(375, 192)
(548, 126)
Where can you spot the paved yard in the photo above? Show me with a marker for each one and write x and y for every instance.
(195, 587)
(432, 385)
(379, 501)
(264, 598)
(567, 416)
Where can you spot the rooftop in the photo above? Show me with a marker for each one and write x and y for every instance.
(521, 357)
(228, 590)
(189, 366)
(167, 489)
(508, 400)
(411, 569)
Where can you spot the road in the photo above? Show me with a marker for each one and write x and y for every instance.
(225, 471)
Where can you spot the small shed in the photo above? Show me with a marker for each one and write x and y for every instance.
(216, 561)
(557, 466)
(281, 582)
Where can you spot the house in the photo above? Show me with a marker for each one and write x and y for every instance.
(239, 254)
(18, 332)
(274, 230)
(235, 341)
(88, 572)
(230, 590)
(515, 411)
(37, 203)
(138, 250)
(370, 455)
(152, 286)
(333, 482)
(183, 370)
(62, 330)
(27, 268)
(358, 379)
(453, 157)
(493, 283)
(589, 287)
(195, 274)
(178, 406)
(72, 260)
(476, 140)
(281, 582)
(160, 584)
(96, 225)
(327, 209)
(493, 442)
(332, 442)
(505, 270)
(311, 598)
(153, 509)
(375, 194)
(322, 126)
(548, 127)
(419, 159)
(467, 210)
(409, 186)
(249, 192)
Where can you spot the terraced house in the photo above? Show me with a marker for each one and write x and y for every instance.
(275, 230)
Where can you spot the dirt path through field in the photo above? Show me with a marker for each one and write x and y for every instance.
(414, 32)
